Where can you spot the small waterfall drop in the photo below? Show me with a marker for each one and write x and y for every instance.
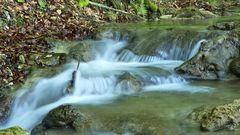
(96, 81)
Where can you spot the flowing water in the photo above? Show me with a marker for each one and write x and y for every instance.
(162, 101)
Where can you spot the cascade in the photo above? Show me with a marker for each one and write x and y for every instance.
(96, 81)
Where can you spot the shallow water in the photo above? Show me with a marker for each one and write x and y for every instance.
(164, 111)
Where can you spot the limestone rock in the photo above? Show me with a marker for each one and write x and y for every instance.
(235, 67)
(51, 60)
(80, 52)
(218, 118)
(129, 82)
(223, 26)
(65, 116)
(193, 13)
(212, 60)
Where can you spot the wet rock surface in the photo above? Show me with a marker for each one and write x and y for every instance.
(51, 60)
(193, 13)
(128, 82)
(235, 67)
(226, 26)
(218, 118)
(5, 106)
(65, 116)
(80, 52)
(212, 60)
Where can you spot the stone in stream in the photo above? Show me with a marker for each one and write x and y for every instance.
(235, 67)
(213, 58)
(13, 131)
(128, 82)
(80, 52)
(193, 13)
(65, 116)
(223, 26)
(218, 118)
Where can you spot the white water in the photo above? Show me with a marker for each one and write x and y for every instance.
(96, 82)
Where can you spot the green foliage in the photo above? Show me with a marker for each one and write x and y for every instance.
(150, 5)
(20, 1)
(139, 7)
(212, 1)
(42, 3)
(83, 3)
(117, 4)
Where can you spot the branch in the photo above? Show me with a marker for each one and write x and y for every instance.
(113, 9)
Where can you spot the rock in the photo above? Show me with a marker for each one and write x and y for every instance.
(212, 60)
(218, 118)
(2, 59)
(65, 116)
(235, 67)
(223, 26)
(128, 82)
(80, 52)
(13, 131)
(193, 13)
(51, 60)
(199, 114)
(5, 106)
(22, 59)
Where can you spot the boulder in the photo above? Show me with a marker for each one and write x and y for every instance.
(129, 83)
(65, 116)
(235, 67)
(218, 118)
(193, 13)
(213, 58)
(80, 52)
(13, 131)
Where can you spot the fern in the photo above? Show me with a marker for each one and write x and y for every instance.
(139, 7)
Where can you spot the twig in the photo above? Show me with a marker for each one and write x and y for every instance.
(78, 64)
(113, 9)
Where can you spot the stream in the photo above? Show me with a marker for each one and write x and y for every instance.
(161, 101)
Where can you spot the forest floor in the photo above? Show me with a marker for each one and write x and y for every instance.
(24, 27)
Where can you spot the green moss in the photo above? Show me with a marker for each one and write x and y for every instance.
(151, 6)
(13, 131)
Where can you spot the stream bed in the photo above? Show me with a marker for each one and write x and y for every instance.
(127, 84)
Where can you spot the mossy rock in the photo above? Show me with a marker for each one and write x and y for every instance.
(193, 13)
(51, 60)
(65, 116)
(235, 67)
(221, 117)
(212, 60)
(80, 52)
(13, 131)
(129, 82)
(151, 5)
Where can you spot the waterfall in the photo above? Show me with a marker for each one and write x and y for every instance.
(96, 81)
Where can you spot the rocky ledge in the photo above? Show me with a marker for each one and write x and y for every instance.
(213, 59)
